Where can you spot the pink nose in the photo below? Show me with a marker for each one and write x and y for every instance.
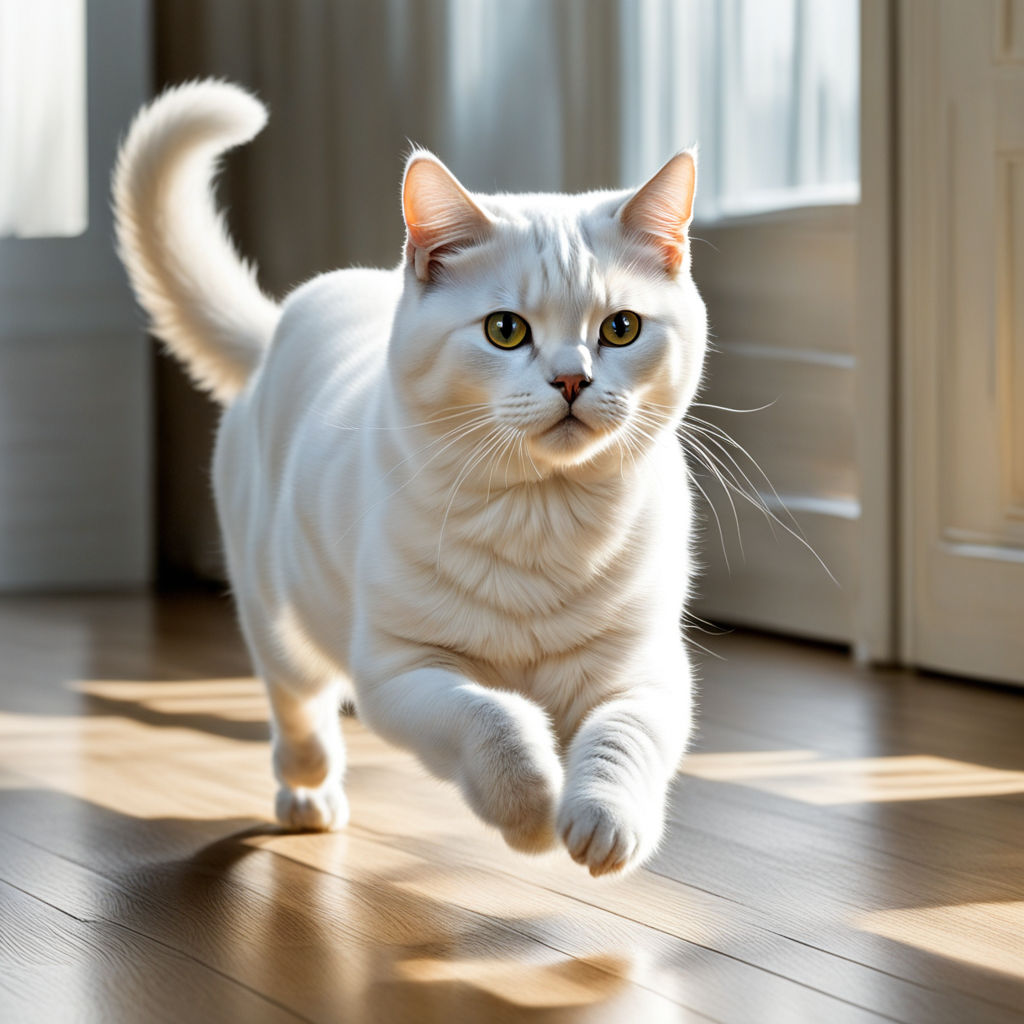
(570, 384)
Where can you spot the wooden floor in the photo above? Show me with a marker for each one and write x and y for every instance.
(844, 846)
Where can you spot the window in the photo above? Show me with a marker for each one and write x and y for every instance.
(43, 183)
(769, 87)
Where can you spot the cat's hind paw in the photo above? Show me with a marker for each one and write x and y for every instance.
(603, 836)
(323, 809)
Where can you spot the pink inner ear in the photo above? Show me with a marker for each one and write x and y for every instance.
(438, 211)
(661, 210)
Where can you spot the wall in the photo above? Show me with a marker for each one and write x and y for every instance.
(75, 410)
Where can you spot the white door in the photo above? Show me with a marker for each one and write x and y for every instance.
(962, 402)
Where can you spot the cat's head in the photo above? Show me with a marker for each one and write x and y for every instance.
(570, 320)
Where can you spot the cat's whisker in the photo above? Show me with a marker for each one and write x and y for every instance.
(700, 647)
(624, 451)
(704, 625)
(695, 238)
(728, 475)
(704, 458)
(758, 502)
(456, 434)
(507, 437)
(622, 441)
(451, 415)
(526, 448)
(452, 437)
(479, 452)
(716, 435)
(524, 455)
(521, 455)
(476, 455)
(640, 416)
(712, 439)
(494, 462)
(504, 442)
(514, 449)
(638, 423)
(464, 470)
(510, 451)
(727, 408)
(632, 447)
(718, 522)
(465, 431)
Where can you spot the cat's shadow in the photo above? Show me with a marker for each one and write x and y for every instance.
(271, 929)
(375, 949)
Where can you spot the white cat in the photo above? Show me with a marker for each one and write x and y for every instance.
(452, 490)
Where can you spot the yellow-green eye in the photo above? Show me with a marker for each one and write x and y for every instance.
(620, 328)
(506, 330)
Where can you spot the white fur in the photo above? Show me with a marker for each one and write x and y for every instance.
(407, 518)
(203, 300)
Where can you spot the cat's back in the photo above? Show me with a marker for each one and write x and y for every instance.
(328, 352)
(333, 328)
(313, 389)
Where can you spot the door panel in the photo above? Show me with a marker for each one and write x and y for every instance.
(963, 328)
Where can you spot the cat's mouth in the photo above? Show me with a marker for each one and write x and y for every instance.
(568, 433)
(568, 441)
(570, 421)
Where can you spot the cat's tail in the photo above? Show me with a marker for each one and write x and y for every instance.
(201, 296)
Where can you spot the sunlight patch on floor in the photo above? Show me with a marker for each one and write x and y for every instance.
(568, 982)
(983, 934)
(806, 776)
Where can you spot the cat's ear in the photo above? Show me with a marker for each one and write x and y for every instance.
(440, 215)
(661, 210)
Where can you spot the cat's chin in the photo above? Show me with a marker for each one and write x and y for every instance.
(568, 442)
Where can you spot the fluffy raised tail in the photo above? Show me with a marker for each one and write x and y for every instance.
(202, 298)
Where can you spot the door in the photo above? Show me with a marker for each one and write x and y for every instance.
(962, 402)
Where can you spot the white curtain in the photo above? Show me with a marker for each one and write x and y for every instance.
(769, 88)
(532, 99)
(43, 184)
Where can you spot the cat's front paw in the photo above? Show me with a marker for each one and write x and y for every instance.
(606, 835)
(528, 823)
(323, 809)
(511, 775)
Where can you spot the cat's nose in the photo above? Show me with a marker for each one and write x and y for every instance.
(571, 384)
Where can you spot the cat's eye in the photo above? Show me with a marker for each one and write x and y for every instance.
(620, 328)
(506, 330)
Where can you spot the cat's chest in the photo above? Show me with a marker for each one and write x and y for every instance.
(518, 577)
(552, 540)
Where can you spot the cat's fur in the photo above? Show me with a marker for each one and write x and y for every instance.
(409, 517)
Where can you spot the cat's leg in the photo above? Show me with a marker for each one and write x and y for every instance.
(497, 746)
(305, 725)
(620, 764)
(309, 753)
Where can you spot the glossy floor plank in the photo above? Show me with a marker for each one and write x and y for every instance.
(844, 846)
